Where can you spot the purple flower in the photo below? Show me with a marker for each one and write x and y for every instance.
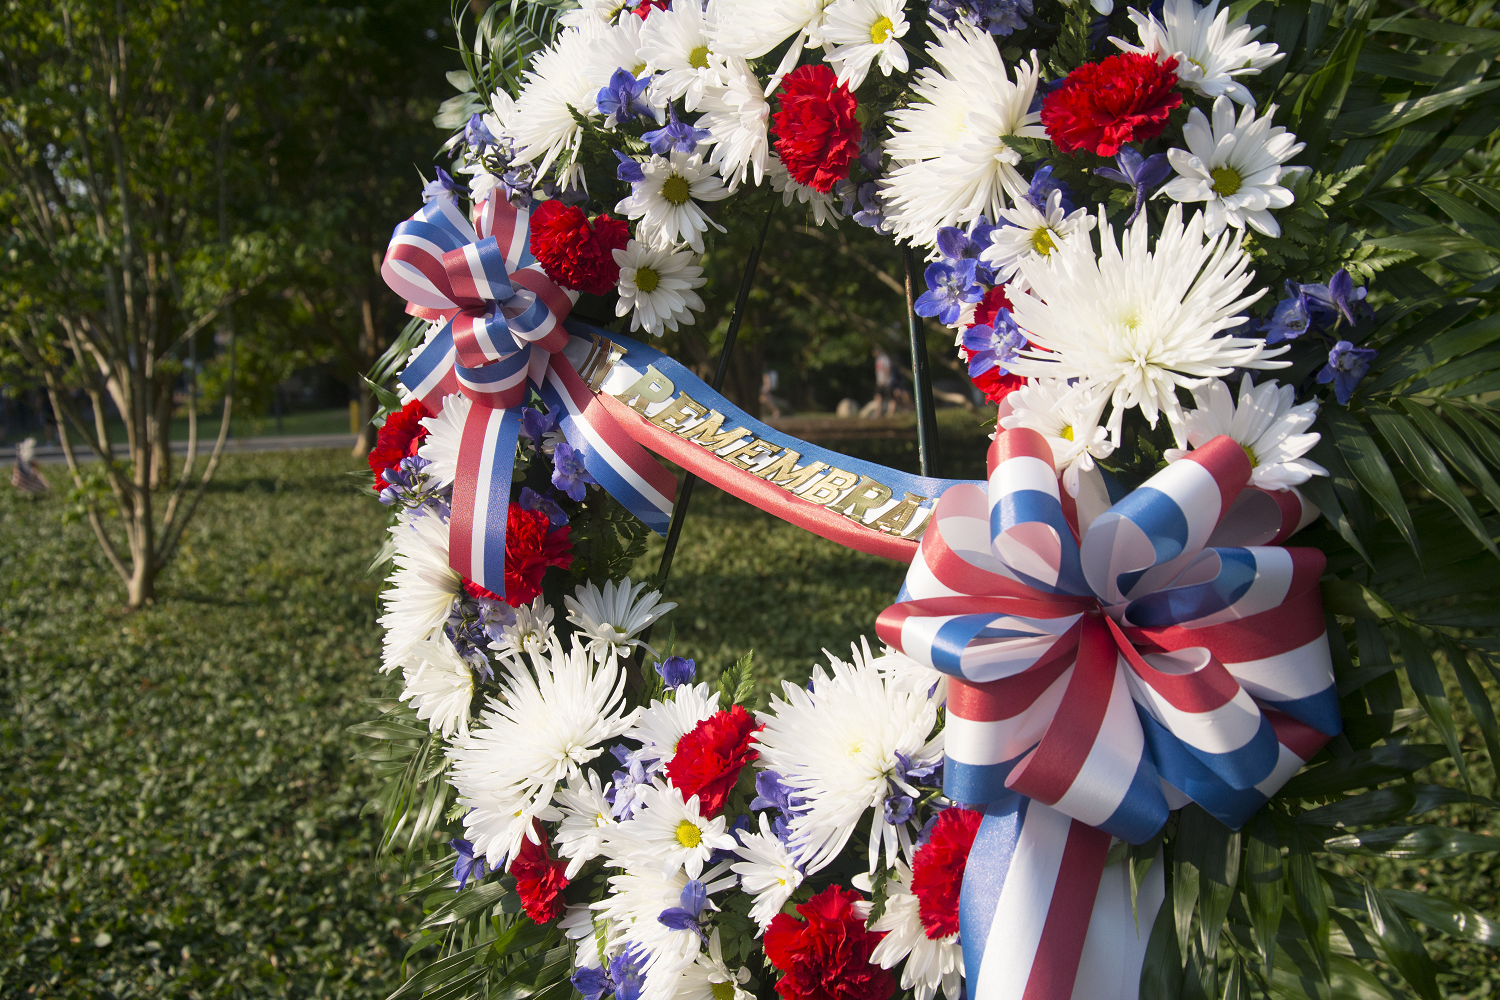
(443, 186)
(871, 212)
(532, 500)
(628, 972)
(629, 170)
(410, 486)
(991, 346)
(674, 135)
(536, 425)
(468, 865)
(958, 245)
(1289, 321)
(1348, 300)
(1042, 186)
(1141, 173)
(592, 983)
(685, 917)
(949, 286)
(1347, 364)
(677, 670)
(998, 17)
(568, 472)
(620, 99)
(477, 134)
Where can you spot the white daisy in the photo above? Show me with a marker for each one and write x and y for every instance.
(590, 12)
(669, 832)
(420, 590)
(439, 685)
(677, 44)
(531, 633)
(633, 907)
(611, 617)
(708, 978)
(585, 822)
(1136, 322)
(661, 724)
(445, 433)
(539, 732)
(751, 28)
(1268, 423)
(836, 746)
(736, 115)
(1023, 232)
(825, 205)
(577, 925)
(1210, 51)
(666, 200)
(862, 31)
(929, 963)
(1068, 420)
(618, 46)
(952, 163)
(768, 872)
(656, 287)
(1235, 166)
(542, 125)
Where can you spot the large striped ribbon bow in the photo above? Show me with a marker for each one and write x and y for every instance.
(1103, 673)
(503, 330)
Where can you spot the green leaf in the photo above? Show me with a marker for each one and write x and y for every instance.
(1403, 948)
(1436, 346)
(1161, 971)
(1422, 673)
(1322, 97)
(1454, 449)
(384, 729)
(1432, 243)
(1264, 886)
(1468, 134)
(1385, 117)
(1427, 468)
(1474, 220)
(1309, 899)
(1369, 467)
(1453, 919)
(1379, 806)
(1363, 769)
(1474, 694)
(388, 400)
(1427, 843)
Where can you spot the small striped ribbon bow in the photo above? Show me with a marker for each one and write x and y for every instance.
(503, 330)
(1103, 673)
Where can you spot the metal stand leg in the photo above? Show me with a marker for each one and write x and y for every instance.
(921, 375)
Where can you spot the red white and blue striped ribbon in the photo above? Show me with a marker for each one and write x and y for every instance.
(503, 329)
(1105, 675)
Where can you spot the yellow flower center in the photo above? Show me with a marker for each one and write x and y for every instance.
(1250, 454)
(722, 991)
(639, 69)
(880, 30)
(1067, 433)
(856, 748)
(646, 279)
(698, 58)
(1041, 242)
(689, 835)
(1227, 180)
(675, 189)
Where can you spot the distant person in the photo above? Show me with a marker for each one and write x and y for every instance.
(770, 381)
(885, 382)
(25, 476)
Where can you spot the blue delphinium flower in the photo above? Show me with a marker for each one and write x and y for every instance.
(627, 786)
(998, 17)
(410, 486)
(677, 670)
(536, 425)
(568, 472)
(591, 983)
(469, 865)
(957, 244)
(629, 169)
(993, 345)
(1347, 364)
(628, 972)
(949, 286)
(772, 793)
(620, 99)
(532, 500)
(1289, 321)
(477, 134)
(442, 186)
(899, 803)
(685, 916)
(1140, 172)
(1041, 188)
(674, 135)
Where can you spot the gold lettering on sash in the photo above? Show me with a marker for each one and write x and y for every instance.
(706, 434)
(827, 489)
(868, 493)
(652, 387)
(895, 520)
(600, 361)
(747, 455)
(677, 414)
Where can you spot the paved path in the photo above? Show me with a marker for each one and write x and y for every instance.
(54, 453)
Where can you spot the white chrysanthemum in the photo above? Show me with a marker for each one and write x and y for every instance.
(541, 124)
(736, 115)
(445, 432)
(531, 633)
(768, 872)
(952, 163)
(592, 12)
(1136, 322)
(1268, 423)
(1234, 166)
(929, 963)
(1068, 420)
(619, 46)
(656, 287)
(635, 902)
(666, 201)
(902, 673)
(585, 822)
(667, 831)
(1024, 233)
(422, 588)
(862, 31)
(676, 43)
(836, 747)
(661, 724)
(539, 732)
(439, 685)
(751, 28)
(577, 925)
(824, 204)
(708, 978)
(1210, 51)
(610, 618)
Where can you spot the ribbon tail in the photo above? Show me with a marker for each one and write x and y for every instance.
(621, 466)
(481, 496)
(431, 374)
(1115, 950)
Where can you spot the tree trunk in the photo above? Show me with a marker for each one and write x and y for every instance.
(161, 437)
(141, 589)
(367, 350)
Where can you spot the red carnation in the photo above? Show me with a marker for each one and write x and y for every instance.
(937, 871)
(573, 253)
(539, 878)
(1103, 105)
(827, 958)
(529, 549)
(816, 133)
(709, 758)
(989, 307)
(994, 383)
(647, 6)
(398, 439)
